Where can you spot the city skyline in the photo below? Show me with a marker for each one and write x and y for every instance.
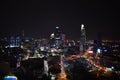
(39, 19)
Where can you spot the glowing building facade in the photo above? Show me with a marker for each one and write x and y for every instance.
(82, 38)
(15, 42)
(58, 39)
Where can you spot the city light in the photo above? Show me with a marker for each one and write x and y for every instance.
(10, 78)
(60, 58)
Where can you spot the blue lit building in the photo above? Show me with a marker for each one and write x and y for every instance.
(15, 41)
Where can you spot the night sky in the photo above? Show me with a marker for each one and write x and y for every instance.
(39, 18)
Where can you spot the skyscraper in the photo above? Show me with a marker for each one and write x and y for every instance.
(63, 37)
(82, 38)
(58, 40)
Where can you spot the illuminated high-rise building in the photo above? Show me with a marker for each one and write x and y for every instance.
(58, 34)
(63, 37)
(22, 38)
(17, 41)
(52, 36)
(14, 41)
(58, 39)
(82, 38)
(52, 40)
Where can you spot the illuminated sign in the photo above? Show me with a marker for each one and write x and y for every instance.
(10, 78)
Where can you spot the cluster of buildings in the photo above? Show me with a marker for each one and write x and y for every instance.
(58, 42)
(21, 46)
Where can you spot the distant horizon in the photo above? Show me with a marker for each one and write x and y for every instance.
(39, 18)
(48, 36)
